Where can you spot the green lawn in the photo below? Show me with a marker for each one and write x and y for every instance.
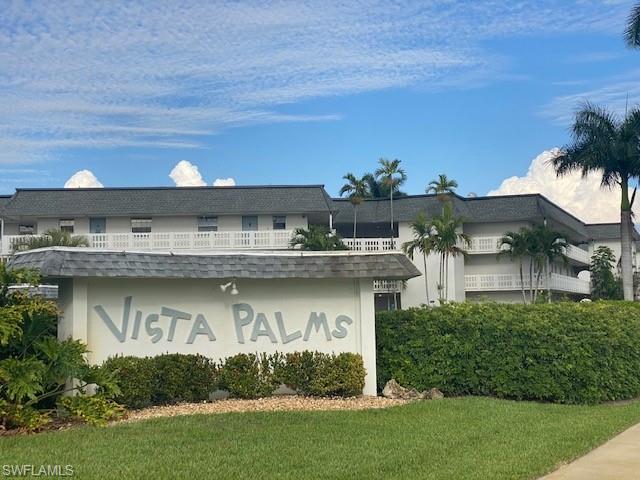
(466, 438)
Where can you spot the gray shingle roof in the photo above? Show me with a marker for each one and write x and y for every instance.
(168, 201)
(59, 262)
(4, 199)
(607, 231)
(507, 208)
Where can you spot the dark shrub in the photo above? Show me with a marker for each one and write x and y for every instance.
(182, 378)
(249, 375)
(136, 378)
(561, 352)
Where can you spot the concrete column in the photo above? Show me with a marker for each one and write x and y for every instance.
(364, 289)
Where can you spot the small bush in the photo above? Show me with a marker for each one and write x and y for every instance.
(182, 378)
(136, 379)
(561, 352)
(95, 410)
(321, 374)
(250, 375)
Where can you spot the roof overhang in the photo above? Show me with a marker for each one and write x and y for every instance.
(66, 262)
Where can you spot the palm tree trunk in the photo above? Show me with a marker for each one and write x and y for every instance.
(355, 223)
(625, 243)
(441, 277)
(531, 279)
(548, 282)
(524, 295)
(426, 279)
(446, 277)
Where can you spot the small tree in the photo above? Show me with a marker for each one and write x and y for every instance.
(51, 238)
(356, 189)
(316, 237)
(604, 285)
(393, 176)
(515, 245)
(422, 242)
(442, 187)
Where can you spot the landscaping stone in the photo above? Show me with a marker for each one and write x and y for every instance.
(394, 390)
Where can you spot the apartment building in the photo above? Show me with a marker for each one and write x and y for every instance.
(264, 218)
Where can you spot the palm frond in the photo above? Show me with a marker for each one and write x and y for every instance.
(632, 30)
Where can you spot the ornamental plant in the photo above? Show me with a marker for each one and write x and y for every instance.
(35, 366)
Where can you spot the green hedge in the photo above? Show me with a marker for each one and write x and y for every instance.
(561, 352)
(173, 378)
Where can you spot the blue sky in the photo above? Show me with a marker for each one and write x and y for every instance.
(301, 92)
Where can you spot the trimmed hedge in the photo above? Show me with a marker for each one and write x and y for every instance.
(561, 352)
(172, 378)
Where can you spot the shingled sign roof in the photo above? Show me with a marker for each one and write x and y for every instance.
(168, 201)
(59, 262)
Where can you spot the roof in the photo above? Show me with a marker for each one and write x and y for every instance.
(4, 199)
(157, 201)
(58, 262)
(504, 208)
(607, 231)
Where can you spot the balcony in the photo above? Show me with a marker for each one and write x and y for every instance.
(505, 282)
(372, 244)
(159, 241)
(387, 286)
(484, 245)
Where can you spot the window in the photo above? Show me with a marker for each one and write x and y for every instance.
(140, 225)
(97, 225)
(207, 224)
(26, 229)
(67, 224)
(279, 222)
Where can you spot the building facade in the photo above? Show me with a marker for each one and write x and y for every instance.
(210, 219)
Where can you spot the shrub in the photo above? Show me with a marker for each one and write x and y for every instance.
(321, 374)
(562, 352)
(136, 379)
(182, 378)
(95, 410)
(250, 375)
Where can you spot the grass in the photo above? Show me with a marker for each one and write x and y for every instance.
(465, 438)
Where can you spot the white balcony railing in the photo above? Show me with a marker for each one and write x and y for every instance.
(263, 239)
(496, 282)
(484, 245)
(372, 244)
(387, 286)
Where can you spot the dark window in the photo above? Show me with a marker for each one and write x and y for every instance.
(140, 225)
(279, 222)
(26, 229)
(97, 225)
(67, 225)
(207, 224)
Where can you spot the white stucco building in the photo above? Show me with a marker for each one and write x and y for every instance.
(263, 218)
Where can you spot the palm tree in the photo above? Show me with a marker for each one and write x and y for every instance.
(632, 32)
(357, 190)
(51, 238)
(422, 242)
(442, 187)
(316, 237)
(609, 145)
(392, 176)
(447, 240)
(515, 245)
(550, 247)
(377, 189)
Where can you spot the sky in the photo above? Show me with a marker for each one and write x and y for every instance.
(194, 93)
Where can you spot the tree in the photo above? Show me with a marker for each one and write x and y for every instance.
(609, 145)
(391, 175)
(442, 187)
(316, 237)
(356, 189)
(51, 238)
(604, 285)
(549, 246)
(447, 240)
(422, 242)
(35, 366)
(515, 245)
(377, 189)
(632, 32)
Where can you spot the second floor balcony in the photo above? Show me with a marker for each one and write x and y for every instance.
(491, 245)
(163, 241)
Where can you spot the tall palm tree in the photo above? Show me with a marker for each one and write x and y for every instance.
(609, 145)
(448, 241)
(51, 238)
(377, 189)
(391, 175)
(422, 242)
(356, 189)
(550, 247)
(515, 245)
(632, 32)
(442, 187)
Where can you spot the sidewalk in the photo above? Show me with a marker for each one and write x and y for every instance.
(617, 459)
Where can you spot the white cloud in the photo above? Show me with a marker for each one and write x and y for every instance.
(83, 179)
(186, 174)
(583, 197)
(144, 74)
(224, 182)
